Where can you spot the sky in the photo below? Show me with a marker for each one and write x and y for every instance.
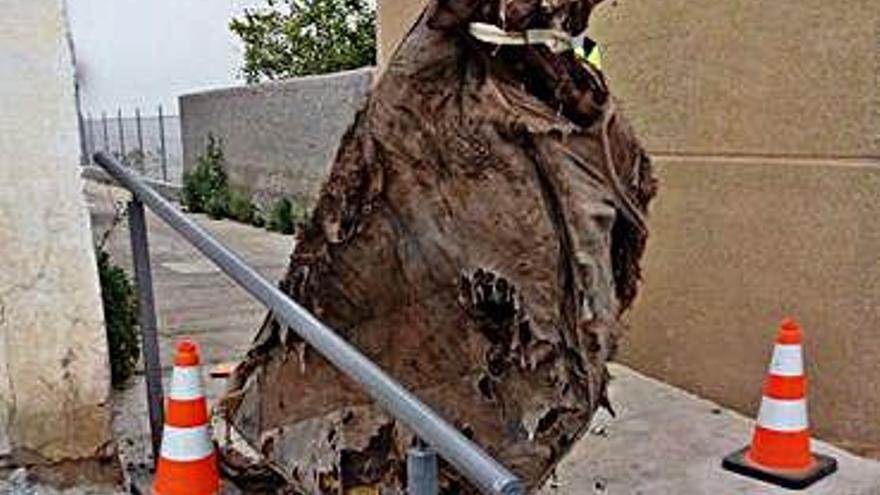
(143, 53)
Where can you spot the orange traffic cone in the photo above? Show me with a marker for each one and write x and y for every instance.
(780, 450)
(187, 464)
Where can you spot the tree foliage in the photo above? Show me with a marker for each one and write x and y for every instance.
(289, 38)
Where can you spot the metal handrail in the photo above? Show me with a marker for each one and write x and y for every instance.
(468, 458)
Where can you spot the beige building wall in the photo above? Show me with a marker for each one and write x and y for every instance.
(395, 18)
(764, 121)
(54, 374)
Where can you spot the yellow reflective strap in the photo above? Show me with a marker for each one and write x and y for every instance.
(595, 57)
(362, 490)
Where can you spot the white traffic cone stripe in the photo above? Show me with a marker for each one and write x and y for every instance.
(186, 383)
(783, 415)
(186, 444)
(787, 360)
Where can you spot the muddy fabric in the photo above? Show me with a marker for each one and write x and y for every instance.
(478, 237)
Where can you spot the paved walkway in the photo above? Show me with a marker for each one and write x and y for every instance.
(667, 441)
(663, 441)
(193, 299)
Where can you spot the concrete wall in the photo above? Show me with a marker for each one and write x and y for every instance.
(279, 137)
(764, 121)
(54, 374)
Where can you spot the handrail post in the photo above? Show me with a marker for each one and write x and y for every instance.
(163, 148)
(137, 223)
(421, 470)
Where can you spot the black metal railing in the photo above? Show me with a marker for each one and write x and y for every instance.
(469, 459)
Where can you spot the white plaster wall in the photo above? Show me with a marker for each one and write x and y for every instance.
(54, 374)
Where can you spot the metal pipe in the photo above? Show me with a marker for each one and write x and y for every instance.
(137, 226)
(140, 138)
(121, 134)
(81, 125)
(92, 148)
(464, 455)
(421, 471)
(106, 133)
(163, 149)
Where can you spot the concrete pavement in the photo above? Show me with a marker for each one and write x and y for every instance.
(193, 297)
(667, 441)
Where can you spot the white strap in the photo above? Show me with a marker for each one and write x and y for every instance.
(557, 41)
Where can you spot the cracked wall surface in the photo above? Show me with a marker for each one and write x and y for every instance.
(54, 373)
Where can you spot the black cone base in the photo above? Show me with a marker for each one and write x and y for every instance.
(738, 463)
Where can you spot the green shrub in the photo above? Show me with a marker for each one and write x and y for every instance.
(206, 188)
(281, 216)
(241, 208)
(285, 215)
(258, 219)
(217, 204)
(120, 317)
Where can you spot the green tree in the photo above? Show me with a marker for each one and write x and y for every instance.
(290, 38)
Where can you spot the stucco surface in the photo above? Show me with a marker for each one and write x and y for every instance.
(278, 138)
(764, 121)
(786, 78)
(395, 18)
(54, 375)
(737, 244)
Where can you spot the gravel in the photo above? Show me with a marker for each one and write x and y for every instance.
(18, 482)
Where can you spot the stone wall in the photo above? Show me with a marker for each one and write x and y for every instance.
(764, 122)
(278, 138)
(54, 373)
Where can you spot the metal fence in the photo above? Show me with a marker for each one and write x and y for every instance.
(150, 143)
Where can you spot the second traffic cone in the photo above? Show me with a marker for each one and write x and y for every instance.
(188, 463)
(780, 449)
